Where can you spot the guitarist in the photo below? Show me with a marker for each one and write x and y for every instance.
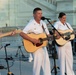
(64, 52)
(41, 58)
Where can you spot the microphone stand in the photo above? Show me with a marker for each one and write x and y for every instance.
(9, 73)
(54, 28)
(54, 54)
(55, 70)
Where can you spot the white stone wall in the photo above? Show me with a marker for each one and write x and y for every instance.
(67, 7)
(19, 12)
(74, 12)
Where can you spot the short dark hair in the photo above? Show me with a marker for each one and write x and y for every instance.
(36, 9)
(61, 14)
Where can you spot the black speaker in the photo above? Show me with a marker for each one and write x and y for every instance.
(74, 45)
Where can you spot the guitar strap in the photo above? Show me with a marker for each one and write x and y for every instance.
(67, 25)
(44, 29)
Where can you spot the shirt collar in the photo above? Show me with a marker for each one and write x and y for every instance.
(37, 23)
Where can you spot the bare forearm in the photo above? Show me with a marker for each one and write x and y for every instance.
(25, 36)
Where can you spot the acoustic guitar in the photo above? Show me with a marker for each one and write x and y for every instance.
(66, 35)
(30, 47)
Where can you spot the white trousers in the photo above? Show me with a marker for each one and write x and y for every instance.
(65, 59)
(41, 60)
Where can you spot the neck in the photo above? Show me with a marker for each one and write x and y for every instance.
(63, 23)
(38, 21)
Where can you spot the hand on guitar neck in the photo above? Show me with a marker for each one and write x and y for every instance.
(12, 33)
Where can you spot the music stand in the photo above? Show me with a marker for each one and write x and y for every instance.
(19, 49)
(9, 72)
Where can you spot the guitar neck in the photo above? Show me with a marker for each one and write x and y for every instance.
(5, 34)
(44, 39)
(9, 33)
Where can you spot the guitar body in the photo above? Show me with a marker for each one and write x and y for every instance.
(30, 47)
(62, 41)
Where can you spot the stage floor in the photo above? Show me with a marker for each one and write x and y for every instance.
(22, 66)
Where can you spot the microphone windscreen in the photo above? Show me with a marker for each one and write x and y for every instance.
(7, 44)
(42, 18)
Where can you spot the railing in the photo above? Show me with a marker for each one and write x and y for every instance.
(51, 1)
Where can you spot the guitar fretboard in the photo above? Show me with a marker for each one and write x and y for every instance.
(44, 39)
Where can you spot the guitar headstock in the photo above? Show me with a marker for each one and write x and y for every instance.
(17, 31)
(11, 33)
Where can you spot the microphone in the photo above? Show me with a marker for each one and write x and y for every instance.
(1, 67)
(9, 58)
(43, 18)
(7, 44)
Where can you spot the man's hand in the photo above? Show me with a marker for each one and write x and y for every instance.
(13, 33)
(35, 41)
(51, 37)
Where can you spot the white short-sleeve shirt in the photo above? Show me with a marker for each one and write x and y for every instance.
(34, 27)
(60, 26)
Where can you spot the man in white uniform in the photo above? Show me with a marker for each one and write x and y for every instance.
(41, 58)
(64, 52)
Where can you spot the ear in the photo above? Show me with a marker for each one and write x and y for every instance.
(59, 18)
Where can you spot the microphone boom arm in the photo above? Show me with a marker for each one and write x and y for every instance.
(54, 27)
